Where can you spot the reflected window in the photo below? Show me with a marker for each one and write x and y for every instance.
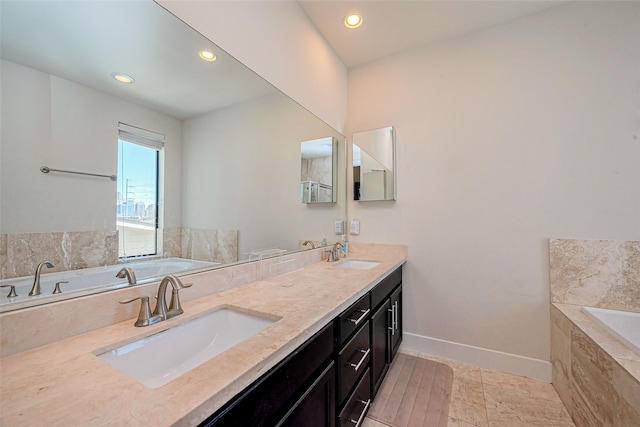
(137, 196)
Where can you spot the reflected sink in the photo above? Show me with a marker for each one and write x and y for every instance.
(158, 359)
(359, 264)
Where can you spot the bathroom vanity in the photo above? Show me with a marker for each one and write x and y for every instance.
(334, 332)
(331, 373)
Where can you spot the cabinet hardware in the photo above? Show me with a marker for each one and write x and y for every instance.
(392, 328)
(356, 366)
(364, 411)
(395, 313)
(361, 318)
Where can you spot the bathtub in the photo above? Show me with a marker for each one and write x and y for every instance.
(624, 325)
(91, 280)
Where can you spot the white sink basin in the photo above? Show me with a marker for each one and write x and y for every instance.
(158, 359)
(359, 264)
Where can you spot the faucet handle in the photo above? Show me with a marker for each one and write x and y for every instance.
(144, 316)
(57, 289)
(12, 292)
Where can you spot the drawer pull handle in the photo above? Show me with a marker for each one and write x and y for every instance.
(364, 411)
(356, 366)
(393, 320)
(364, 315)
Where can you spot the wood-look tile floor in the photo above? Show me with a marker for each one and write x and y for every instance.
(484, 398)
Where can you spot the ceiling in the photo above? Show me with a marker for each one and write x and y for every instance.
(86, 41)
(394, 26)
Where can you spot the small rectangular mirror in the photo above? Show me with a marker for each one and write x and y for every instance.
(374, 171)
(318, 172)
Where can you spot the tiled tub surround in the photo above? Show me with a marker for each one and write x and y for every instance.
(56, 383)
(596, 376)
(73, 250)
(76, 283)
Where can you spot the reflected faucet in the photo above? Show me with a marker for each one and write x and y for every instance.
(306, 242)
(35, 290)
(128, 273)
(174, 308)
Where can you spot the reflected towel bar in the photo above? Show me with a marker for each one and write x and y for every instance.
(46, 169)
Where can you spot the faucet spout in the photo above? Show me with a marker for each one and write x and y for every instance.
(35, 290)
(307, 242)
(128, 273)
(161, 305)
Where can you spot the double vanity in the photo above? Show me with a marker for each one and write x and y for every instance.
(315, 342)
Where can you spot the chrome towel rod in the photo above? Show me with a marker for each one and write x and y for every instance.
(46, 169)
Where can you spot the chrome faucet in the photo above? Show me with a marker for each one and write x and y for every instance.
(35, 290)
(174, 308)
(128, 273)
(306, 242)
(334, 253)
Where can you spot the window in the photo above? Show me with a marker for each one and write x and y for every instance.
(137, 194)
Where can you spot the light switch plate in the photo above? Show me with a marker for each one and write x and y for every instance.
(354, 227)
(339, 226)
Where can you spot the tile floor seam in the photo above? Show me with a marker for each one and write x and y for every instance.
(484, 399)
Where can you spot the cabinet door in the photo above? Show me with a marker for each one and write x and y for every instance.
(380, 344)
(396, 322)
(317, 405)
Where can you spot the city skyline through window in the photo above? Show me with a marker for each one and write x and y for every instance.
(137, 199)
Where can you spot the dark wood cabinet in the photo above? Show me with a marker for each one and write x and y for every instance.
(358, 403)
(265, 402)
(316, 406)
(386, 326)
(396, 322)
(333, 377)
(380, 345)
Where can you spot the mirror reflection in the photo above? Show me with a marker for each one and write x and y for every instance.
(220, 150)
(319, 159)
(374, 172)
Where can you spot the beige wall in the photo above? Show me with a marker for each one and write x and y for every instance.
(276, 40)
(258, 195)
(506, 137)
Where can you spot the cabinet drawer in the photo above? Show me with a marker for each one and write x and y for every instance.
(384, 288)
(352, 318)
(358, 404)
(353, 360)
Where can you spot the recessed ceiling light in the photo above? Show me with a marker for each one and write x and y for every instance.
(353, 20)
(122, 78)
(207, 55)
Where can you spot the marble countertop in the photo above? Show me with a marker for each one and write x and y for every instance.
(64, 383)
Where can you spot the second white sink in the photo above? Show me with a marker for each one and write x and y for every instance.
(158, 359)
(359, 264)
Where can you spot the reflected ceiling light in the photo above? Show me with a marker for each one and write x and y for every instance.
(122, 78)
(353, 20)
(207, 55)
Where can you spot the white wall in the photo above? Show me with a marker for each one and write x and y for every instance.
(244, 174)
(505, 137)
(277, 41)
(49, 121)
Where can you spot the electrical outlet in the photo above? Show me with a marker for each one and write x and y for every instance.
(354, 227)
(339, 226)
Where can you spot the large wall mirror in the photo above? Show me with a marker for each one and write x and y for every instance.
(226, 144)
(374, 171)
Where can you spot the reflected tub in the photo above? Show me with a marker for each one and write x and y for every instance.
(91, 280)
(624, 325)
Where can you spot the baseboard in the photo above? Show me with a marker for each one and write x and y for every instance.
(485, 358)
